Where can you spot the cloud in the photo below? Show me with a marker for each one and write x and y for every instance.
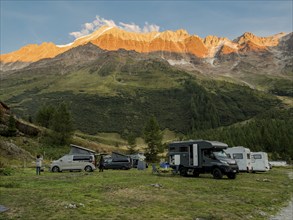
(150, 27)
(88, 28)
(130, 27)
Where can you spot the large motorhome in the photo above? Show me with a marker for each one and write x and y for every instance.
(260, 162)
(242, 157)
(199, 156)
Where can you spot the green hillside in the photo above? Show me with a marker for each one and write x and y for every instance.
(119, 93)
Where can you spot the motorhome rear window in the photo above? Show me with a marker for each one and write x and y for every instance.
(238, 156)
(183, 149)
(257, 156)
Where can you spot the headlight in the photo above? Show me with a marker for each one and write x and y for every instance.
(224, 162)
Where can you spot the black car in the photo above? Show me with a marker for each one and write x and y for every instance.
(118, 164)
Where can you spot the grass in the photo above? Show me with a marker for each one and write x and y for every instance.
(116, 194)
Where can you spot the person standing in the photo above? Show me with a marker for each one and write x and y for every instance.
(101, 164)
(39, 164)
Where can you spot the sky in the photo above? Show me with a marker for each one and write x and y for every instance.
(61, 22)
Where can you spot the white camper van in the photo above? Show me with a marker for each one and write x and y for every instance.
(79, 158)
(260, 162)
(242, 157)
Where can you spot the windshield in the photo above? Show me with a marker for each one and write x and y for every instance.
(220, 154)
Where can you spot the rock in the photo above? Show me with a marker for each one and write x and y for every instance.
(157, 185)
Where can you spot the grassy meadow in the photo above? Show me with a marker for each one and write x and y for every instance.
(116, 194)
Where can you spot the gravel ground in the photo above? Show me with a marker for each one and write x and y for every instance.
(287, 212)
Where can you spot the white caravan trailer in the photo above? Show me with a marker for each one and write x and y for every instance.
(242, 157)
(259, 161)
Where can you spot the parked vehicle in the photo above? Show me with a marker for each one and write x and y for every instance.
(118, 161)
(242, 157)
(138, 158)
(260, 162)
(199, 156)
(74, 162)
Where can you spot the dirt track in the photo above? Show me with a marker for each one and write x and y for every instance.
(287, 212)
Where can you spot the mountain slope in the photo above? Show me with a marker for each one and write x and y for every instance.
(117, 91)
(115, 80)
(263, 63)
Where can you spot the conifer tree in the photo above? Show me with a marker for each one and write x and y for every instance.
(45, 115)
(131, 144)
(11, 130)
(153, 137)
(61, 125)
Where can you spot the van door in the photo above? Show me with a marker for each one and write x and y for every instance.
(66, 162)
(241, 161)
(257, 164)
(207, 160)
(184, 155)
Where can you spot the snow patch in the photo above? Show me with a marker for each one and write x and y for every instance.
(91, 35)
(214, 50)
(210, 61)
(231, 44)
(157, 35)
(99, 34)
(177, 62)
(235, 64)
(65, 45)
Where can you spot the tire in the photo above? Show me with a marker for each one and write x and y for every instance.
(217, 173)
(88, 169)
(231, 176)
(195, 174)
(55, 169)
(183, 171)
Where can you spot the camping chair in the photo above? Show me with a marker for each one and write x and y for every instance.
(176, 170)
(154, 169)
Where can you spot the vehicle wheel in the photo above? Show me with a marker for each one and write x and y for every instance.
(217, 173)
(55, 169)
(183, 171)
(88, 169)
(195, 174)
(231, 175)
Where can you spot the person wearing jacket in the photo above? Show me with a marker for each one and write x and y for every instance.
(39, 164)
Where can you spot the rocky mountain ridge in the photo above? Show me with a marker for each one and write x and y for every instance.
(179, 42)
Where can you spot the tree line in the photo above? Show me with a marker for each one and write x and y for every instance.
(59, 122)
(270, 132)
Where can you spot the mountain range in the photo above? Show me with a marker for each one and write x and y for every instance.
(114, 80)
(113, 39)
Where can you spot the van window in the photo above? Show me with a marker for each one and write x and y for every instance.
(238, 156)
(257, 156)
(183, 149)
(172, 149)
(248, 156)
(82, 158)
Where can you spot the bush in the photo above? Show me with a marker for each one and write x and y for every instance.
(6, 171)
